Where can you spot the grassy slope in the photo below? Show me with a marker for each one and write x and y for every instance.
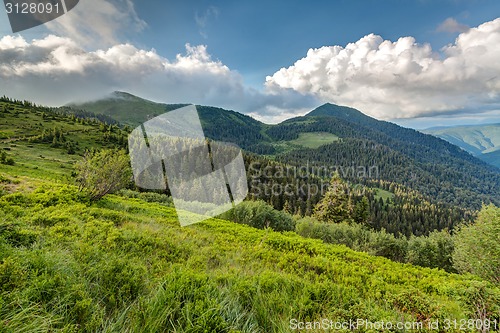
(314, 140)
(124, 265)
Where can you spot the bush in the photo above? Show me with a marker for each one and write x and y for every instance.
(433, 251)
(103, 172)
(260, 215)
(6, 160)
(477, 249)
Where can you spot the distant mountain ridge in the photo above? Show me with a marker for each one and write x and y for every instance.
(482, 141)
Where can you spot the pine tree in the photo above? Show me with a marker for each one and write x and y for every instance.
(336, 205)
(361, 211)
(287, 207)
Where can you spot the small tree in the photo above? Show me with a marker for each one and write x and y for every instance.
(103, 172)
(336, 205)
(477, 246)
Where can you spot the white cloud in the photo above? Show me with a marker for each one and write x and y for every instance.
(385, 79)
(451, 25)
(204, 18)
(401, 79)
(55, 71)
(98, 22)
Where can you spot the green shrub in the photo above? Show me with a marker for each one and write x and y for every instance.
(387, 245)
(147, 196)
(15, 235)
(260, 215)
(12, 274)
(433, 251)
(477, 246)
(103, 172)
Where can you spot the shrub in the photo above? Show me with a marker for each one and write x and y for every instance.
(477, 249)
(103, 172)
(260, 215)
(433, 251)
(15, 235)
(6, 160)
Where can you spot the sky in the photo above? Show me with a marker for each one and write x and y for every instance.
(419, 63)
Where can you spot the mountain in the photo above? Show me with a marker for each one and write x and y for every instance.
(430, 165)
(333, 135)
(482, 141)
(220, 124)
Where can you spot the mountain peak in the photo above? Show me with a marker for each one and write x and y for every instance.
(329, 109)
(123, 95)
(342, 112)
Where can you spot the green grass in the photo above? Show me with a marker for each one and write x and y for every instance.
(314, 140)
(311, 140)
(385, 195)
(125, 265)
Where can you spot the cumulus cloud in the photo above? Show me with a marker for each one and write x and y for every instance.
(451, 25)
(98, 22)
(56, 70)
(401, 79)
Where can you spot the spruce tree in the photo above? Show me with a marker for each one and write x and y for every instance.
(336, 205)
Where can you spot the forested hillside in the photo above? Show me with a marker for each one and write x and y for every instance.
(433, 167)
(421, 162)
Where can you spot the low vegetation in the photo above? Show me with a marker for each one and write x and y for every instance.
(124, 264)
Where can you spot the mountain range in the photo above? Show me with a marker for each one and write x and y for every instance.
(482, 141)
(337, 136)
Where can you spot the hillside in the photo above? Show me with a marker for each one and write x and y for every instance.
(482, 141)
(60, 138)
(404, 156)
(227, 126)
(124, 263)
(342, 137)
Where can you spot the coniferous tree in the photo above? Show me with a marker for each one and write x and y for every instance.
(336, 205)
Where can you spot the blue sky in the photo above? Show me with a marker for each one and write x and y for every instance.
(255, 57)
(259, 37)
